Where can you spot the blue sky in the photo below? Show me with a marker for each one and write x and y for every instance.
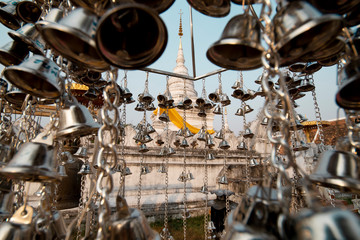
(207, 30)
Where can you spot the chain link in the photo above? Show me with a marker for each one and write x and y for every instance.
(318, 117)
(107, 135)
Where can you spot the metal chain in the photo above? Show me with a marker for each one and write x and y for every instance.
(247, 169)
(184, 170)
(140, 182)
(122, 142)
(166, 160)
(81, 203)
(318, 117)
(227, 200)
(206, 184)
(331, 193)
(107, 135)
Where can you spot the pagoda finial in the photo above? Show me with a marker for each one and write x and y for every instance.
(180, 26)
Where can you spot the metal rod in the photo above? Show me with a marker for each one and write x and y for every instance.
(256, 16)
(210, 74)
(167, 73)
(192, 43)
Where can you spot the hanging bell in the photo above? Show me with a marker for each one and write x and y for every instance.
(211, 8)
(37, 76)
(224, 145)
(204, 189)
(208, 105)
(85, 169)
(149, 128)
(297, 67)
(182, 177)
(224, 100)
(189, 176)
(6, 204)
(75, 120)
(33, 162)
(202, 113)
(219, 134)
(187, 133)
(239, 47)
(200, 101)
(240, 112)
(9, 17)
(145, 170)
(123, 36)
(143, 148)
(312, 67)
(29, 36)
(13, 53)
(127, 171)
(238, 93)
(214, 96)
(209, 141)
(210, 156)
(236, 85)
(28, 11)
(218, 110)
(306, 85)
(181, 105)
(62, 171)
(162, 169)
(248, 133)
(201, 137)
(164, 117)
(187, 101)
(117, 168)
(53, 16)
(223, 180)
(242, 146)
(248, 109)
(211, 225)
(349, 77)
(308, 31)
(170, 151)
(146, 97)
(300, 146)
(253, 162)
(151, 107)
(337, 169)
(300, 118)
(184, 143)
(78, 28)
(298, 96)
(140, 107)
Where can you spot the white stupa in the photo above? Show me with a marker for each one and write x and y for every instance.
(177, 90)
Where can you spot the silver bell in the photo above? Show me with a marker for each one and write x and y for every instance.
(253, 162)
(204, 189)
(242, 146)
(85, 169)
(184, 143)
(210, 156)
(62, 171)
(218, 110)
(224, 100)
(143, 148)
(224, 145)
(145, 170)
(248, 133)
(182, 177)
(162, 169)
(164, 117)
(189, 176)
(223, 180)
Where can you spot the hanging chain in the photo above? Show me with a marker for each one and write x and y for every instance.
(140, 182)
(81, 203)
(318, 117)
(107, 135)
(184, 170)
(206, 182)
(166, 160)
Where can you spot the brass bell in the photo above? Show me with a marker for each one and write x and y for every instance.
(181, 105)
(13, 53)
(28, 11)
(162, 169)
(236, 85)
(129, 100)
(297, 67)
(253, 162)
(242, 146)
(223, 180)
(238, 93)
(204, 189)
(150, 107)
(312, 67)
(211, 8)
(240, 112)
(29, 36)
(85, 169)
(144, 170)
(219, 134)
(33, 162)
(202, 113)
(182, 177)
(37, 76)
(224, 100)
(78, 28)
(308, 31)
(349, 77)
(75, 120)
(184, 143)
(131, 36)
(187, 101)
(140, 107)
(337, 169)
(143, 148)
(248, 109)
(8, 16)
(189, 176)
(214, 96)
(200, 101)
(210, 156)
(209, 141)
(62, 171)
(6, 204)
(239, 47)
(146, 97)
(130, 223)
(298, 96)
(306, 85)
(218, 110)
(164, 117)
(248, 133)
(339, 7)
(224, 145)
(53, 16)
(339, 223)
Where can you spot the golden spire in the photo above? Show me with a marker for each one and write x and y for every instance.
(180, 26)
